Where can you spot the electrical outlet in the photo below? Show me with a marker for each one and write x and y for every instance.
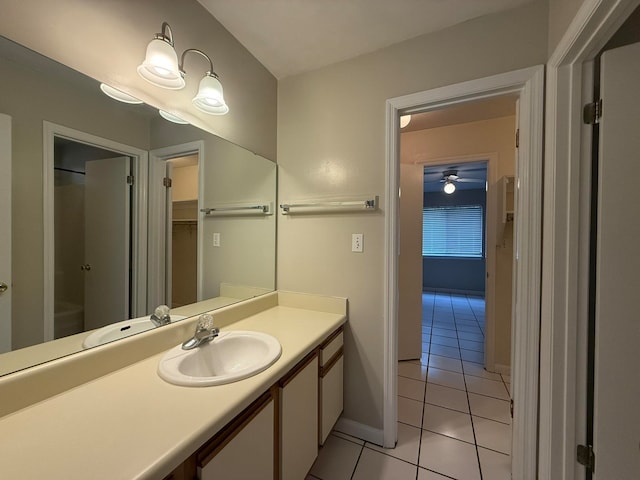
(216, 239)
(357, 240)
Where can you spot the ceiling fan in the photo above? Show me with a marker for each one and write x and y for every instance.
(450, 178)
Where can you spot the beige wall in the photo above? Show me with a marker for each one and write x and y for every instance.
(496, 137)
(331, 142)
(184, 186)
(106, 40)
(561, 13)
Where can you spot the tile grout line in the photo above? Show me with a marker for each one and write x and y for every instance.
(424, 397)
(473, 428)
(355, 467)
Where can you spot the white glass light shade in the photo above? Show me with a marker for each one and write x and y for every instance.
(160, 66)
(449, 188)
(172, 118)
(119, 95)
(210, 98)
(404, 120)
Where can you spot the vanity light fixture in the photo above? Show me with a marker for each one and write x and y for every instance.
(210, 97)
(449, 187)
(160, 67)
(172, 118)
(118, 95)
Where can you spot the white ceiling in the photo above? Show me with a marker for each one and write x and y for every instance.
(294, 36)
(496, 107)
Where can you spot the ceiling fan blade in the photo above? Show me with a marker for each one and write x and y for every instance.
(471, 180)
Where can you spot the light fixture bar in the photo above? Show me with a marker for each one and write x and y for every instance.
(161, 68)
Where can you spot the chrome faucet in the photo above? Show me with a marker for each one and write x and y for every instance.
(205, 332)
(161, 316)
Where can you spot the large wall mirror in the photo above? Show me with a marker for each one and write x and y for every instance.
(115, 211)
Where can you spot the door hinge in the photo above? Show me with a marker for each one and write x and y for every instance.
(130, 179)
(518, 138)
(586, 456)
(592, 112)
(166, 181)
(511, 408)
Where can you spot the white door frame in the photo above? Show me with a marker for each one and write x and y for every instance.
(139, 214)
(563, 346)
(491, 219)
(158, 217)
(529, 84)
(5, 240)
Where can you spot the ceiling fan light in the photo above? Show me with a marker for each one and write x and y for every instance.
(160, 66)
(210, 96)
(404, 120)
(449, 187)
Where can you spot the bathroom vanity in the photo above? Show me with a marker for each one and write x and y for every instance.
(129, 423)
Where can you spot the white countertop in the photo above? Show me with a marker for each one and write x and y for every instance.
(131, 424)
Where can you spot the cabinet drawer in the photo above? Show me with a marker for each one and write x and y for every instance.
(331, 346)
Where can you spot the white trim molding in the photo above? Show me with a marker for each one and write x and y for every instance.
(6, 275)
(139, 219)
(359, 430)
(563, 342)
(528, 84)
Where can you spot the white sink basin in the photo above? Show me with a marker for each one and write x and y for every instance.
(232, 356)
(119, 330)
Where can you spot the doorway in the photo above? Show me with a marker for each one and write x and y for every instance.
(527, 84)
(175, 182)
(182, 237)
(115, 289)
(464, 246)
(92, 237)
(568, 202)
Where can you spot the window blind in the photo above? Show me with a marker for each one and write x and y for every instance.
(454, 231)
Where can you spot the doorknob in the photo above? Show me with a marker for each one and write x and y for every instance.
(3, 287)
(86, 266)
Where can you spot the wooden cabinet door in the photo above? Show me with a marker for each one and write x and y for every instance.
(299, 420)
(246, 452)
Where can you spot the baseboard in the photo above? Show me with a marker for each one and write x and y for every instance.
(473, 293)
(503, 369)
(360, 430)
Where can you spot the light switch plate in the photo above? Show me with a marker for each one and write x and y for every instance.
(216, 239)
(357, 244)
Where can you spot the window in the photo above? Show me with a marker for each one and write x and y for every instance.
(455, 231)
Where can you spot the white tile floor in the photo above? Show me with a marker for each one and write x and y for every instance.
(453, 416)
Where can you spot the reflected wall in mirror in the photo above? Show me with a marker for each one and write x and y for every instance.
(166, 244)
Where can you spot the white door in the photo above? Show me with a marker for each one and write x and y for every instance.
(5, 233)
(107, 238)
(617, 330)
(410, 263)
